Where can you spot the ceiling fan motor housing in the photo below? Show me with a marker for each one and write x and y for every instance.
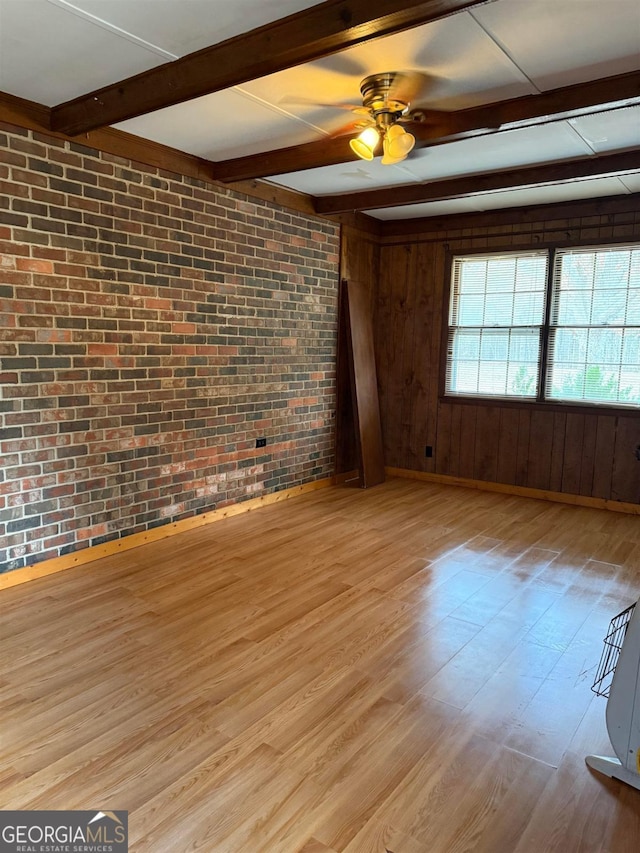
(378, 98)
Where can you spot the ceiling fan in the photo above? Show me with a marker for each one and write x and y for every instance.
(387, 115)
(386, 101)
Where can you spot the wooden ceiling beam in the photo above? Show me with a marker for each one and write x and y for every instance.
(297, 158)
(621, 90)
(311, 34)
(469, 185)
(606, 93)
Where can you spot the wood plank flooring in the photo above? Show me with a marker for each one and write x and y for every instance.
(401, 669)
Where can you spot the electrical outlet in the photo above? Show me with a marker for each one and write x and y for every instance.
(428, 451)
(261, 442)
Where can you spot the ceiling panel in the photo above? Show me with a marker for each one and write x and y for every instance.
(530, 146)
(220, 126)
(610, 131)
(462, 67)
(573, 190)
(431, 208)
(354, 176)
(631, 182)
(182, 26)
(49, 55)
(559, 42)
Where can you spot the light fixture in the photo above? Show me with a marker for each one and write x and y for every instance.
(386, 109)
(387, 159)
(366, 143)
(399, 142)
(396, 143)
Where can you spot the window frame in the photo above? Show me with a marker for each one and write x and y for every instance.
(540, 402)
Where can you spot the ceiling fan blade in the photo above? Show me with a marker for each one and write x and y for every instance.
(352, 128)
(344, 64)
(407, 86)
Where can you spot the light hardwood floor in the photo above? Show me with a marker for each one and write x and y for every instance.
(405, 668)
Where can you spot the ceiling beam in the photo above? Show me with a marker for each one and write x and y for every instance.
(469, 185)
(319, 31)
(606, 93)
(622, 90)
(398, 231)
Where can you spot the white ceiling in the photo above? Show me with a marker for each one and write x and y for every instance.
(54, 50)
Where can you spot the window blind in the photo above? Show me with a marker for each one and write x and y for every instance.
(496, 315)
(594, 331)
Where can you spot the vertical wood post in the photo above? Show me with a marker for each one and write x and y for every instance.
(357, 332)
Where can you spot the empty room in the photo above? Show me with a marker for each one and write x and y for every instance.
(320, 426)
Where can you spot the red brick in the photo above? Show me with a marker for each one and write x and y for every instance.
(53, 335)
(32, 178)
(13, 190)
(33, 265)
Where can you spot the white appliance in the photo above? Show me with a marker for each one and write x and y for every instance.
(618, 678)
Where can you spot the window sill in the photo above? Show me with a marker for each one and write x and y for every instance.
(538, 405)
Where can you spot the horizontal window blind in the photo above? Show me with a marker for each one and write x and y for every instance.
(495, 319)
(594, 330)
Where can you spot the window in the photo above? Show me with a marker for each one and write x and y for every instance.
(510, 337)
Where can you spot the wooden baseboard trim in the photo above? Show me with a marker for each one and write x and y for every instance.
(89, 555)
(522, 491)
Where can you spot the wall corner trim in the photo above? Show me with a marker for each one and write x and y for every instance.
(135, 540)
(521, 491)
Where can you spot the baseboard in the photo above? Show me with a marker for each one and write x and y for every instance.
(116, 546)
(522, 491)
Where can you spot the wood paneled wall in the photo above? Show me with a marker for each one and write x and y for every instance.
(577, 452)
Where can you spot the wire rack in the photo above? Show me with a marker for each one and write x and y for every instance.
(611, 652)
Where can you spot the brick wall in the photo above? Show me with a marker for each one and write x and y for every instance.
(151, 328)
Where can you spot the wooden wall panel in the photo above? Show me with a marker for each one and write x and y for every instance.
(416, 368)
(578, 452)
(557, 451)
(571, 469)
(359, 261)
(588, 456)
(408, 295)
(394, 332)
(487, 436)
(522, 454)
(467, 450)
(604, 454)
(507, 452)
(540, 449)
(428, 351)
(355, 313)
(456, 432)
(444, 428)
(625, 482)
